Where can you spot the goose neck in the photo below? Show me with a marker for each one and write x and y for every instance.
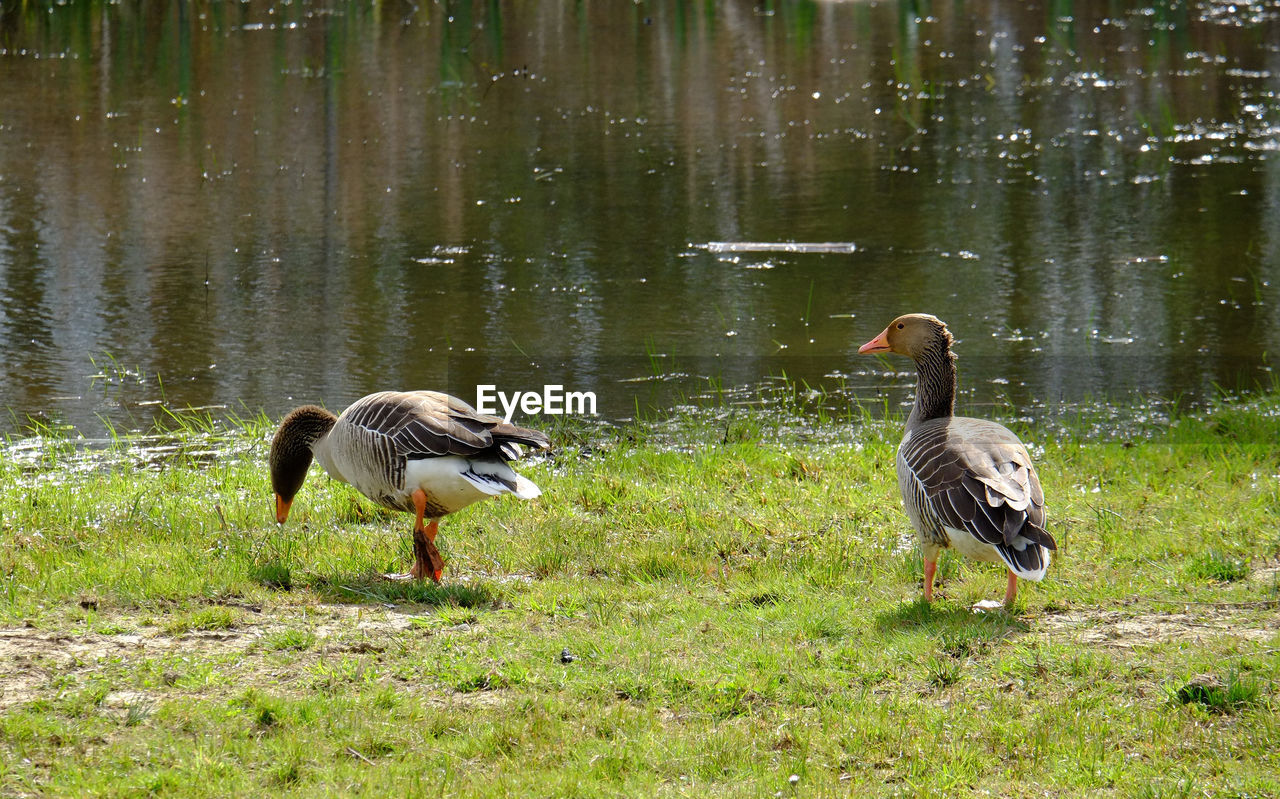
(936, 384)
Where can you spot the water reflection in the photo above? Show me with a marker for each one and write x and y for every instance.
(268, 203)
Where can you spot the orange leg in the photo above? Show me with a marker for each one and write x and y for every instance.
(930, 567)
(1011, 591)
(427, 559)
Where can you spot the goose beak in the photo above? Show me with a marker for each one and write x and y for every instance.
(282, 508)
(878, 344)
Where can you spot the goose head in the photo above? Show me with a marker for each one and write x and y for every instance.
(911, 335)
(291, 453)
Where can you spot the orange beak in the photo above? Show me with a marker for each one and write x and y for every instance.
(878, 344)
(282, 508)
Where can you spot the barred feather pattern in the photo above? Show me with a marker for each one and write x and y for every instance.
(971, 476)
(377, 437)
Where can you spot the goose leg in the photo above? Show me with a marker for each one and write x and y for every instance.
(1011, 591)
(427, 559)
(930, 567)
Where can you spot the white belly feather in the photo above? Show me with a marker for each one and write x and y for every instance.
(451, 482)
(966, 544)
(963, 542)
(454, 482)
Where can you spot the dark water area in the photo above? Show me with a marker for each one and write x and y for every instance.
(251, 205)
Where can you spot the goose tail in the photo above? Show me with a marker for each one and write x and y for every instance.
(1030, 562)
(526, 488)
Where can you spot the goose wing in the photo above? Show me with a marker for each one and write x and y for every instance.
(425, 424)
(976, 475)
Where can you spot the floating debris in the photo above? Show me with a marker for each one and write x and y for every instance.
(778, 246)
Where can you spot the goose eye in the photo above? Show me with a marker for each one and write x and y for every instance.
(900, 325)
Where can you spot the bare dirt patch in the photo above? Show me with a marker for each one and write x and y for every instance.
(1197, 622)
(1126, 630)
(30, 657)
(1266, 573)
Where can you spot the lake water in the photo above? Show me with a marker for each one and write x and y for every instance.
(256, 204)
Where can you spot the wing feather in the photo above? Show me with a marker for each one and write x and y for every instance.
(424, 424)
(977, 476)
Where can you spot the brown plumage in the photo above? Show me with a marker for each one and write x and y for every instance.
(422, 452)
(966, 483)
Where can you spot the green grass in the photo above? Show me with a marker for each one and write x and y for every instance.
(739, 601)
(1214, 565)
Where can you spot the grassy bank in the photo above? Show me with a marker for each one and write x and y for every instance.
(701, 608)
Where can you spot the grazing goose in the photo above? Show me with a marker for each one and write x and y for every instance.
(421, 452)
(966, 483)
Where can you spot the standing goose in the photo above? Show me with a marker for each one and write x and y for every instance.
(966, 483)
(421, 452)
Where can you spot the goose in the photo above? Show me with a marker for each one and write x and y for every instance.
(968, 484)
(422, 452)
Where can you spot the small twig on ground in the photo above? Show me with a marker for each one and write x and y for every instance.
(364, 594)
(1100, 510)
(757, 527)
(1261, 603)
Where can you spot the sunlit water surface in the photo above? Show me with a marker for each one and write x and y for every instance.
(247, 206)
